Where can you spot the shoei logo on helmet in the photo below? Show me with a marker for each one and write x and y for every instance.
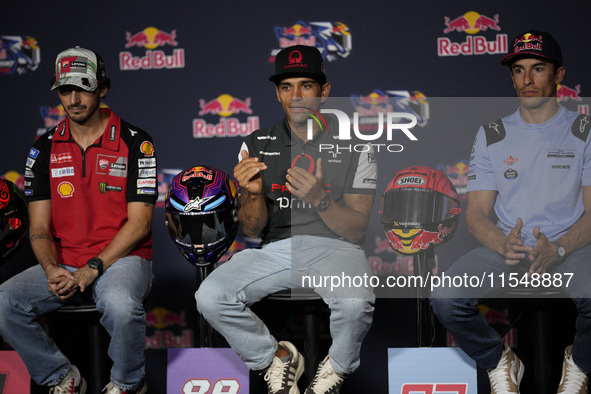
(410, 181)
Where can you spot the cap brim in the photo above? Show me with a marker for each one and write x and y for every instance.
(88, 84)
(320, 78)
(509, 59)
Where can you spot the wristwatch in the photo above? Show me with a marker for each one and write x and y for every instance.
(97, 264)
(560, 250)
(323, 204)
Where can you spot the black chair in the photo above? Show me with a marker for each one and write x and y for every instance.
(536, 300)
(311, 305)
(77, 331)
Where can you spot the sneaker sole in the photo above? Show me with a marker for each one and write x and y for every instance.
(520, 373)
(298, 374)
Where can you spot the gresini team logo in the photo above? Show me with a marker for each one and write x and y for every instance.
(333, 39)
(19, 54)
(471, 23)
(224, 106)
(151, 38)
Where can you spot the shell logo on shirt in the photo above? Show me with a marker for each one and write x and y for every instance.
(65, 189)
(147, 148)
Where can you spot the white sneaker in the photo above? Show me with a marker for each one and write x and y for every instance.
(282, 377)
(573, 380)
(326, 381)
(72, 383)
(506, 377)
(112, 389)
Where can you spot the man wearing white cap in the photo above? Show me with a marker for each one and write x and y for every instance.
(91, 187)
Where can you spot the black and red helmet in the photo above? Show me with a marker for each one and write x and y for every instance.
(420, 210)
(202, 213)
(14, 218)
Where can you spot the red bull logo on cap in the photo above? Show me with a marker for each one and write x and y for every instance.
(471, 23)
(225, 105)
(151, 38)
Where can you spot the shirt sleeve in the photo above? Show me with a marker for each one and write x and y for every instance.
(142, 177)
(481, 175)
(363, 174)
(37, 181)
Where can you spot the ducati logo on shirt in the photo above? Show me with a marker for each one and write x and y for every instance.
(111, 165)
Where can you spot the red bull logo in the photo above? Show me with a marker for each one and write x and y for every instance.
(528, 37)
(296, 30)
(409, 241)
(333, 39)
(151, 38)
(564, 93)
(458, 175)
(197, 172)
(225, 106)
(16, 178)
(472, 23)
(162, 318)
(493, 316)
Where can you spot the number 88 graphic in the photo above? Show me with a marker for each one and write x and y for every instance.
(221, 386)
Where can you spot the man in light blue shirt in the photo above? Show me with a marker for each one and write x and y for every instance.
(534, 168)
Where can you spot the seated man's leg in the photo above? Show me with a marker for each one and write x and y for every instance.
(225, 296)
(340, 267)
(22, 298)
(119, 294)
(456, 307)
(578, 287)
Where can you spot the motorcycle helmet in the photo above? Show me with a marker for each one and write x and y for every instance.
(14, 216)
(420, 210)
(202, 213)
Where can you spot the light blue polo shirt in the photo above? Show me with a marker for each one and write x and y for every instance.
(538, 171)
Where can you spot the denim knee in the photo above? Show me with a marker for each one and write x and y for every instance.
(208, 297)
(448, 308)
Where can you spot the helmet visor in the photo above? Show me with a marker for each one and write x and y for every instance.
(415, 206)
(200, 228)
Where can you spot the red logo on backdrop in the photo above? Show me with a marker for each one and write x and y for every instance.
(434, 388)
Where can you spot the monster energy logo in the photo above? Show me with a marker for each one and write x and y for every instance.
(103, 187)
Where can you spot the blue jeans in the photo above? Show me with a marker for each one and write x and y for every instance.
(225, 296)
(119, 294)
(456, 307)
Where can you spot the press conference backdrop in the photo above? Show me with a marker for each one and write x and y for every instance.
(195, 76)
